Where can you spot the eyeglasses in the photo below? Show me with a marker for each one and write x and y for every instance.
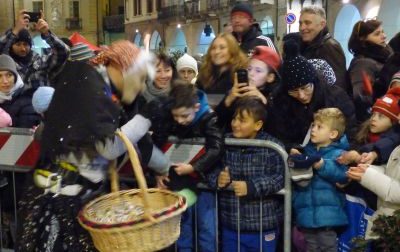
(364, 21)
(304, 89)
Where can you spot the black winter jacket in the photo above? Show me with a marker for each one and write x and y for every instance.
(21, 110)
(327, 48)
(252, 38)
(221, 85)
(289, 120)
(386, 143)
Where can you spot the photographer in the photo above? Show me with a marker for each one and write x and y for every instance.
(34, 69)
(259, 81)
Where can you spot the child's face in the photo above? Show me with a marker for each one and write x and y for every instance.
(186, 74)
(259, 73)
(244, 125)
(322, 134)
(183, 115)
(379, 123)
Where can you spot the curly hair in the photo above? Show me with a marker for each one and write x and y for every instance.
(237, 60)
(120, 55)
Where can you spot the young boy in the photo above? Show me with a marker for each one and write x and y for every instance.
(255, 174)
(319, 206)
(193, 117)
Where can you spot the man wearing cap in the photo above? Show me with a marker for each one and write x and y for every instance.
(34, 69)
(317, 43)
(245, 30)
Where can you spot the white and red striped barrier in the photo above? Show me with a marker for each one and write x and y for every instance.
(18, 150)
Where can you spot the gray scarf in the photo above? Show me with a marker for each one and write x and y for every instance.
(151, 92)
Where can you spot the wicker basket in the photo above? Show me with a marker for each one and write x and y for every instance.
(148, 221)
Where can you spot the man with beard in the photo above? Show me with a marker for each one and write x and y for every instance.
(35, 70)
(245, 30)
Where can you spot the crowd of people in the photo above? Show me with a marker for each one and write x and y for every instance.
(340, 127)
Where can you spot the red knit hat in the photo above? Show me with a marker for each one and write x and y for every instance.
(267, 55)
(389, 104)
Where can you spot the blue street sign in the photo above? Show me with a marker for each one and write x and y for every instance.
(290, 18)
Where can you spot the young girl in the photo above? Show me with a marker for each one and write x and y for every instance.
(379, 135)
(263, 79)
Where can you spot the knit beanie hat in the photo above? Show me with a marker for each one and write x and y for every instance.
(24, 36)
(389, 104)
(5, 119)
(187, 61)
(242, 8)
(41, 99)
(268, 56)
(81, 51)
(325, 70)
(8, 64)
(395, 78)
(296, 70)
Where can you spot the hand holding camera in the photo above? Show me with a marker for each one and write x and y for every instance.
(26, 17)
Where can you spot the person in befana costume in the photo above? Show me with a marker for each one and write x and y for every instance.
(77, 145)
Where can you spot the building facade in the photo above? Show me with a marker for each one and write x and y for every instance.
(94, 19)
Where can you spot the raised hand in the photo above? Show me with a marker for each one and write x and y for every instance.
(21, 22)
(42, 26)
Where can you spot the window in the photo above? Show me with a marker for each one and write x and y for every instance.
(121, 10)
(158, 5)
(149, 6)
(74, 9)
(137, 7)
(37, 6)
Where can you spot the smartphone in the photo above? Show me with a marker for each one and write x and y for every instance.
(33, 16)
(242, 76)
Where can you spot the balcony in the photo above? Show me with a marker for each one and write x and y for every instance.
(189, 10)
(169, 12)
(114, 23)
(73, 23)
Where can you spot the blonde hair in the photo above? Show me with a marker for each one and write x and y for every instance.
(313, 9)
(120, 55)
(237, 60)
(333, 118)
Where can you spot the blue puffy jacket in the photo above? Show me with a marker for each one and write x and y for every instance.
(321, 204)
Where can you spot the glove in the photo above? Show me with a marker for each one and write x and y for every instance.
(303, 161)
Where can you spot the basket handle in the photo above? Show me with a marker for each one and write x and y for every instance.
(137, 169)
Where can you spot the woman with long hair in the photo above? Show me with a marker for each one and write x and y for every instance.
(368, 45)
(222, 60)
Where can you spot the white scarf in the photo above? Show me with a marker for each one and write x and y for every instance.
(8, 96)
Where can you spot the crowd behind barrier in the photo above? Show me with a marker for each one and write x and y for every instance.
(24, 137)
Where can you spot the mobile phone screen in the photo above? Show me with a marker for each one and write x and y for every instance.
(242, 76)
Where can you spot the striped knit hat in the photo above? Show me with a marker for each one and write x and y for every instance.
(395, 78)
(81, 51)
(389, 104)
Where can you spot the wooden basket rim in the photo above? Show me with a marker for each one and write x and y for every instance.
(169, 211)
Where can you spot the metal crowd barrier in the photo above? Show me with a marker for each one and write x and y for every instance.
(286, 192)
(19, 153)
